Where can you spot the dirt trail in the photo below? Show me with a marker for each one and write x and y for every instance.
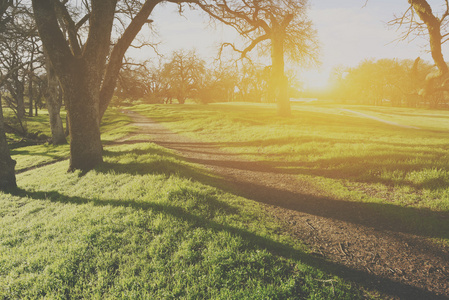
(367, 247)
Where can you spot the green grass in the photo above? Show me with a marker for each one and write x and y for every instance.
(38, 125)
(139, 227)
(113, 127)
(146, 225)
(405, 172)
(423, 118)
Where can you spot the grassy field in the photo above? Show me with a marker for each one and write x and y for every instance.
(404, 172)
(32, 156)
(139, 226)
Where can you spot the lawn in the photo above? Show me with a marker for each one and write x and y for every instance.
(113, 127)
(147, 225)
(348, 157)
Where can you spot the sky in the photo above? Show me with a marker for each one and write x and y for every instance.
(349, 31)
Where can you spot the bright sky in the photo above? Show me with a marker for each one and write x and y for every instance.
(349, 31)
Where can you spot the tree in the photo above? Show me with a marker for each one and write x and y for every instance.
(134, 81)
(7, 164)
(20, 49)
(283, 23)
(218, 84)
(87, 69)
(184, 73)
(435, 26)
(54, 103)
(19, 52)
(253, 83)
(374, 81)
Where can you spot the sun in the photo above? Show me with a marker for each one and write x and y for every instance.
(315, 80)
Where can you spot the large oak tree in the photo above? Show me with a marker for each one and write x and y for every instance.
(87, 69)
(281, 23)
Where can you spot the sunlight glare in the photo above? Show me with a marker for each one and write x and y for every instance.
(315, 80)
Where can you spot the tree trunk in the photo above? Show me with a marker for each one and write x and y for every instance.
(20, 100)
(82, 98)
(54, 103)
(181, 99)
(30, 97)
(433, 24)
(80, 73)
(279, 80)
(7, 174)
(30, 86)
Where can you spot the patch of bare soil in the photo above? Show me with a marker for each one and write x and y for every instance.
(352, 240)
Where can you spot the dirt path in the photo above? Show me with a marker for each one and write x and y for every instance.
(347, 238)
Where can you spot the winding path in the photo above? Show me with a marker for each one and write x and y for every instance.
(353, 240)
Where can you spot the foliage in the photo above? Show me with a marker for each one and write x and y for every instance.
(261, 21)
(218, 84)
(385, 81)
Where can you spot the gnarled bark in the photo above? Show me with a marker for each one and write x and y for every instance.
(7, 164)
(83, 111)
(86, 80)
(54, 103)
(80, 75)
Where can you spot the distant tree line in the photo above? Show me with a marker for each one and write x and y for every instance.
(387, 82)
(185, 75)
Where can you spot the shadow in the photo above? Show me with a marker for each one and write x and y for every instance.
(254, 242)
(363, 168)
(34, 153)
(42, 165)
(379, 216)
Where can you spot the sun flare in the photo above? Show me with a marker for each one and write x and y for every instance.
(315, 80)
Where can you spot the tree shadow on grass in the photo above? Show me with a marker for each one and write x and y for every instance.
(254, 242)
(356, 168)
(379, 216)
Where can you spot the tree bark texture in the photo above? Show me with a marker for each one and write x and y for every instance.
(54, 103)
(7, 164)
(84, 124)
(80, 75)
